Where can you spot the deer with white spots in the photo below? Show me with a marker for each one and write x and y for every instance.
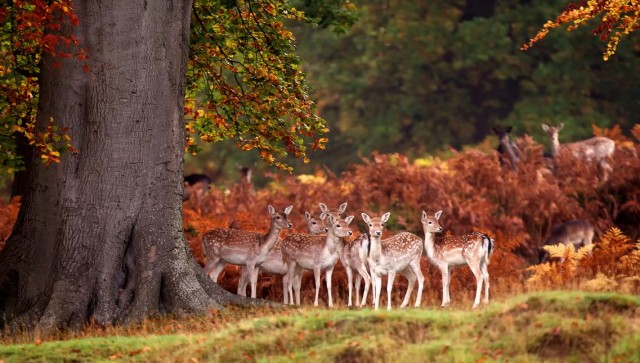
(354, 257)
(399, 253)
(316, 253)
(473, 249)
(596, 149)
(223, 246)
(274, 264)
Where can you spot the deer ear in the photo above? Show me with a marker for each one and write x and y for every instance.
(272, 210)
(366, 218)
(545, 127)
(424, 216)
(438, 214)
(385, 217)
(560, 126)
(288, 210)
(307, 216)
(332, 219)
(323, 207)
(342, 208)
(348, 219)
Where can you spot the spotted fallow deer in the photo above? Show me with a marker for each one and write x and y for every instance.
(577, 232)
(274, 264)
(354, 257)
(596, 149)
(473, 249)
(223, 246)
(316, 253)
(399, 253)
(351, 257)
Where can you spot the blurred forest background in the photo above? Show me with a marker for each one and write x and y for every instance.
(420, 78)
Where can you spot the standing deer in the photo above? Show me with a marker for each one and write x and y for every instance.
(400, 253)
(509, 151)
(274, 264)
(351, 257)
(473, 249)
(317, 253)
(578, 233)
(195, 185)
(596, 149)
(354, 257)
(223, 246)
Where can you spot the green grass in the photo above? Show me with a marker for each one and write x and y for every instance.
(563, 326)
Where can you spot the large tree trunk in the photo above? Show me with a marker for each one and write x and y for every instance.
(99, 236)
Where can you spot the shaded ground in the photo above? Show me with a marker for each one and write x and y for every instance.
(562, 326)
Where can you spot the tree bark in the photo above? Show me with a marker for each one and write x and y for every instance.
(99, 236)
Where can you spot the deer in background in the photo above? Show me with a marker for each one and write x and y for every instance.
(473, 249)
(316, 253)
(195, 185)
(400, 253)
(578, 233)
(274, 264)
(223, 246)
(596, 149)
(509, 151)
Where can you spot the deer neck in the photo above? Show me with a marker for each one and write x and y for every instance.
(429, 244)
(334, 243)
(555, 146)
(375, 246)
(270, 238)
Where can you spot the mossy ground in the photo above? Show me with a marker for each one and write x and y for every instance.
(563, 326)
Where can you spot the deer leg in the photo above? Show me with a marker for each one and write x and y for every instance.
(367, 281)
(390, 277)
(357, 288)
(444, 270)
(327, 276)
(412, 281)
(475, 268)
(242, 283)
(485, 276)
(298, 285)
(216, 268)
(415, 267)
(285, 288)
(377, 284)
(316, 275)
(253, 274)
(350, 283)
(292, 277)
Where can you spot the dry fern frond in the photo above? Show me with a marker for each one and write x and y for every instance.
(636, 131)
(600, 283)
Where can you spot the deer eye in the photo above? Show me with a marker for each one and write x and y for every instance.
(278, 217)
(314, 222)
(370, 225)
(338, 226)
(430, 222)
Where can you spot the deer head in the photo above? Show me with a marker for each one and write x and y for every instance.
(430, 223)
(314, 225)
(280, 220)
(376, 224)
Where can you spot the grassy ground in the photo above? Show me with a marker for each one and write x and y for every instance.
(551, 326)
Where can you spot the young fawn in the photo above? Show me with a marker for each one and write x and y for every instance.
(223, 246)
(473, 249)
(400, 253)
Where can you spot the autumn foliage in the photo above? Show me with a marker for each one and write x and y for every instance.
(517, 208)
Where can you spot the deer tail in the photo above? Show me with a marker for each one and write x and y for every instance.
(490, 246)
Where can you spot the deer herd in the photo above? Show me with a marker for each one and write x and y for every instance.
(368, 256)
